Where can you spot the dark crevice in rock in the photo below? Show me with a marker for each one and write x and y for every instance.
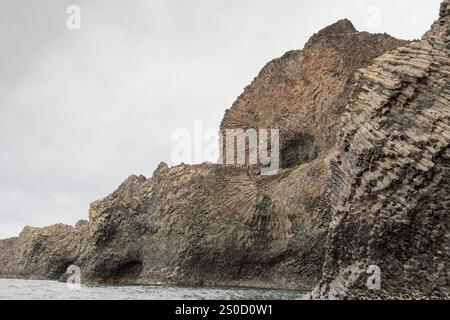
(297, 150)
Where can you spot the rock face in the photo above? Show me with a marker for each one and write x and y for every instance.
(305, 92)
(209, 225)
(225, 225)
(391, 176)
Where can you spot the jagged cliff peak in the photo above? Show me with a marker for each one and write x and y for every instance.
(445, 10)
(161, 169)
(441, 27)
(338, 29)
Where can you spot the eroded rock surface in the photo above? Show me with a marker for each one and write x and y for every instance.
(391, 176)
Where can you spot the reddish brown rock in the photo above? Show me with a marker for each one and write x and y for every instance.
(305, 92)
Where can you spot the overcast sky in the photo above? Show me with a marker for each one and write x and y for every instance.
(80, 110)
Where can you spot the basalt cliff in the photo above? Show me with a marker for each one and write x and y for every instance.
(364, 181)
(390, 188)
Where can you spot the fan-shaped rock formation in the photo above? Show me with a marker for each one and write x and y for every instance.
(209, 225)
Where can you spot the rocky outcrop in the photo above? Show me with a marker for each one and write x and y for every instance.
(391, 177)
(43, 253)
(192, 225)
(210, 225)
(304, 92)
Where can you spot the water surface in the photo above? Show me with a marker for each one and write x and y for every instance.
(52, 290)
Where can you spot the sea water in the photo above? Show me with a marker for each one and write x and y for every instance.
(52, 290)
